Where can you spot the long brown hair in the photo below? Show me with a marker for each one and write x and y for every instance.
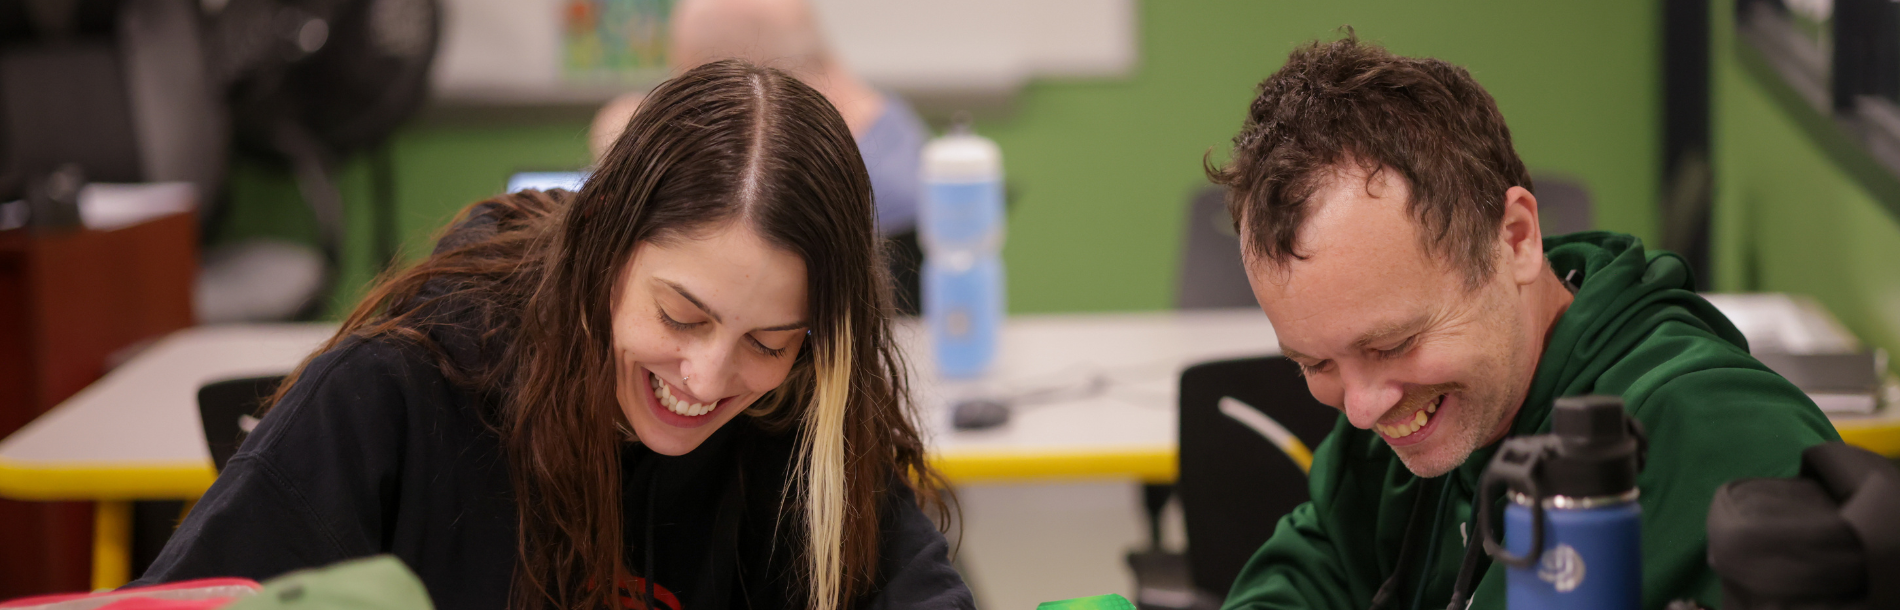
(725, 142)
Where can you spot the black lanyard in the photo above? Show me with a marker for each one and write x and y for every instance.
(1408, 551)
(1468, 567)
(1407, 548)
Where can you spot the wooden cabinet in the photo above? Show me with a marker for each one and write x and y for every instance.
(70, 303)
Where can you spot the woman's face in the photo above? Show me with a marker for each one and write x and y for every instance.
(703, 326)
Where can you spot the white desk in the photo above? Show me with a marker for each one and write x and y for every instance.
(136, 434)
(1108, 393)
(1107, 409)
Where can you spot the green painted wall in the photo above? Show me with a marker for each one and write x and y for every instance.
(1787, 219)
(1102, 169)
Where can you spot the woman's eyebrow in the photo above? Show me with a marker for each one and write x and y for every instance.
(715, 315)
(693, 299)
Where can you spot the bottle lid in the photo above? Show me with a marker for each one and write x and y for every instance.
(962, 156)
(1599, 448)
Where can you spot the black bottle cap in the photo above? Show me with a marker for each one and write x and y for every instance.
(1599, 448)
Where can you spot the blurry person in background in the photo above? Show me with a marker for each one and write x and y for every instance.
(1389, 231)
(785, 34)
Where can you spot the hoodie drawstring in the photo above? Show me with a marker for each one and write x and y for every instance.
(653, 490)
(1406, 550)
(1468, 568)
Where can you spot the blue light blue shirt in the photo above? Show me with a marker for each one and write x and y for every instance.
(893, 154)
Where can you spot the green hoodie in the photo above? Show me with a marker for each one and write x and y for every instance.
(1636, 330)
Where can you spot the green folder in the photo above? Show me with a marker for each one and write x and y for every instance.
(1099, 602)
(381, 582)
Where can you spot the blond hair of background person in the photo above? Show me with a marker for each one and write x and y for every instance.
(785, 34)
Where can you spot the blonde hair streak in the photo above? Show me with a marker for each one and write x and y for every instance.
(823, 469)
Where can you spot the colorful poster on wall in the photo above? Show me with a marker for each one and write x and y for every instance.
(615, 41)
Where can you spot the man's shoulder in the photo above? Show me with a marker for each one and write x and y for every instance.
(1676, 353)
(1682, 378)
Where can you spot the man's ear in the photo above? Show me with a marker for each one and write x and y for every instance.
(1522, 240)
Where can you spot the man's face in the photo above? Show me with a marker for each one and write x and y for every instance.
(1390, 334)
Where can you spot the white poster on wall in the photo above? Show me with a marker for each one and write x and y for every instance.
(582, 51)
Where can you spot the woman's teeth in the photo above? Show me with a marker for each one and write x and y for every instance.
(676, 405)
(1418, 420)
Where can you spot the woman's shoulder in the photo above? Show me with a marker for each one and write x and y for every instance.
(368, 390)
(358, 360)
(479, 222)
(461, 315)
(364, 453)
(486, 219)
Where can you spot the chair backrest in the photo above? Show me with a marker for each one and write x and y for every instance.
(1563, 205)
(1244, 427)
(1211, 274)
(223, 404)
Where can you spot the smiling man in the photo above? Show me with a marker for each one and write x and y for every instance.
(1390, 233)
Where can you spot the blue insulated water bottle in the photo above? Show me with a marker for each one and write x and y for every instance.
(961, 231)
(1572, 528)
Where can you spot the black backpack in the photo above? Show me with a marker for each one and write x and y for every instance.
(1826, 540)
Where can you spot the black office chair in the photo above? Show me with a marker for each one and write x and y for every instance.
(1563, 204)
(223, 407)
(1211, 276)
(1237, 479)
(1247, 431)
(1211, 273)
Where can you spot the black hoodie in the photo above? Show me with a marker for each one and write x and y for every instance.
(373, 450)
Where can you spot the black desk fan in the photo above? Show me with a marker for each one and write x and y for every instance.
(310, 81)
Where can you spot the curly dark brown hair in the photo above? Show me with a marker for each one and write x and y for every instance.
(1351, 102)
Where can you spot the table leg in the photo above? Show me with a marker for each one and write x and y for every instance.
(111, 544)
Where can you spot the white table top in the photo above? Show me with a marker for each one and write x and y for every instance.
(1095, 396)
(1089, 382)
(147, 409)
(143, 416)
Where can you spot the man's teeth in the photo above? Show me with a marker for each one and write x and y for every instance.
(661, 391)
(1418, 420)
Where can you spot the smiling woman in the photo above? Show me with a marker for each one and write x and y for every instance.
(693, 352)
(680, 380)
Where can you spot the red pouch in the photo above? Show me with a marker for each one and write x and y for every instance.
(203, 594)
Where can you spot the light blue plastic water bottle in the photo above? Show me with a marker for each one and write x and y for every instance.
(1573, 528)
(961, 231)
